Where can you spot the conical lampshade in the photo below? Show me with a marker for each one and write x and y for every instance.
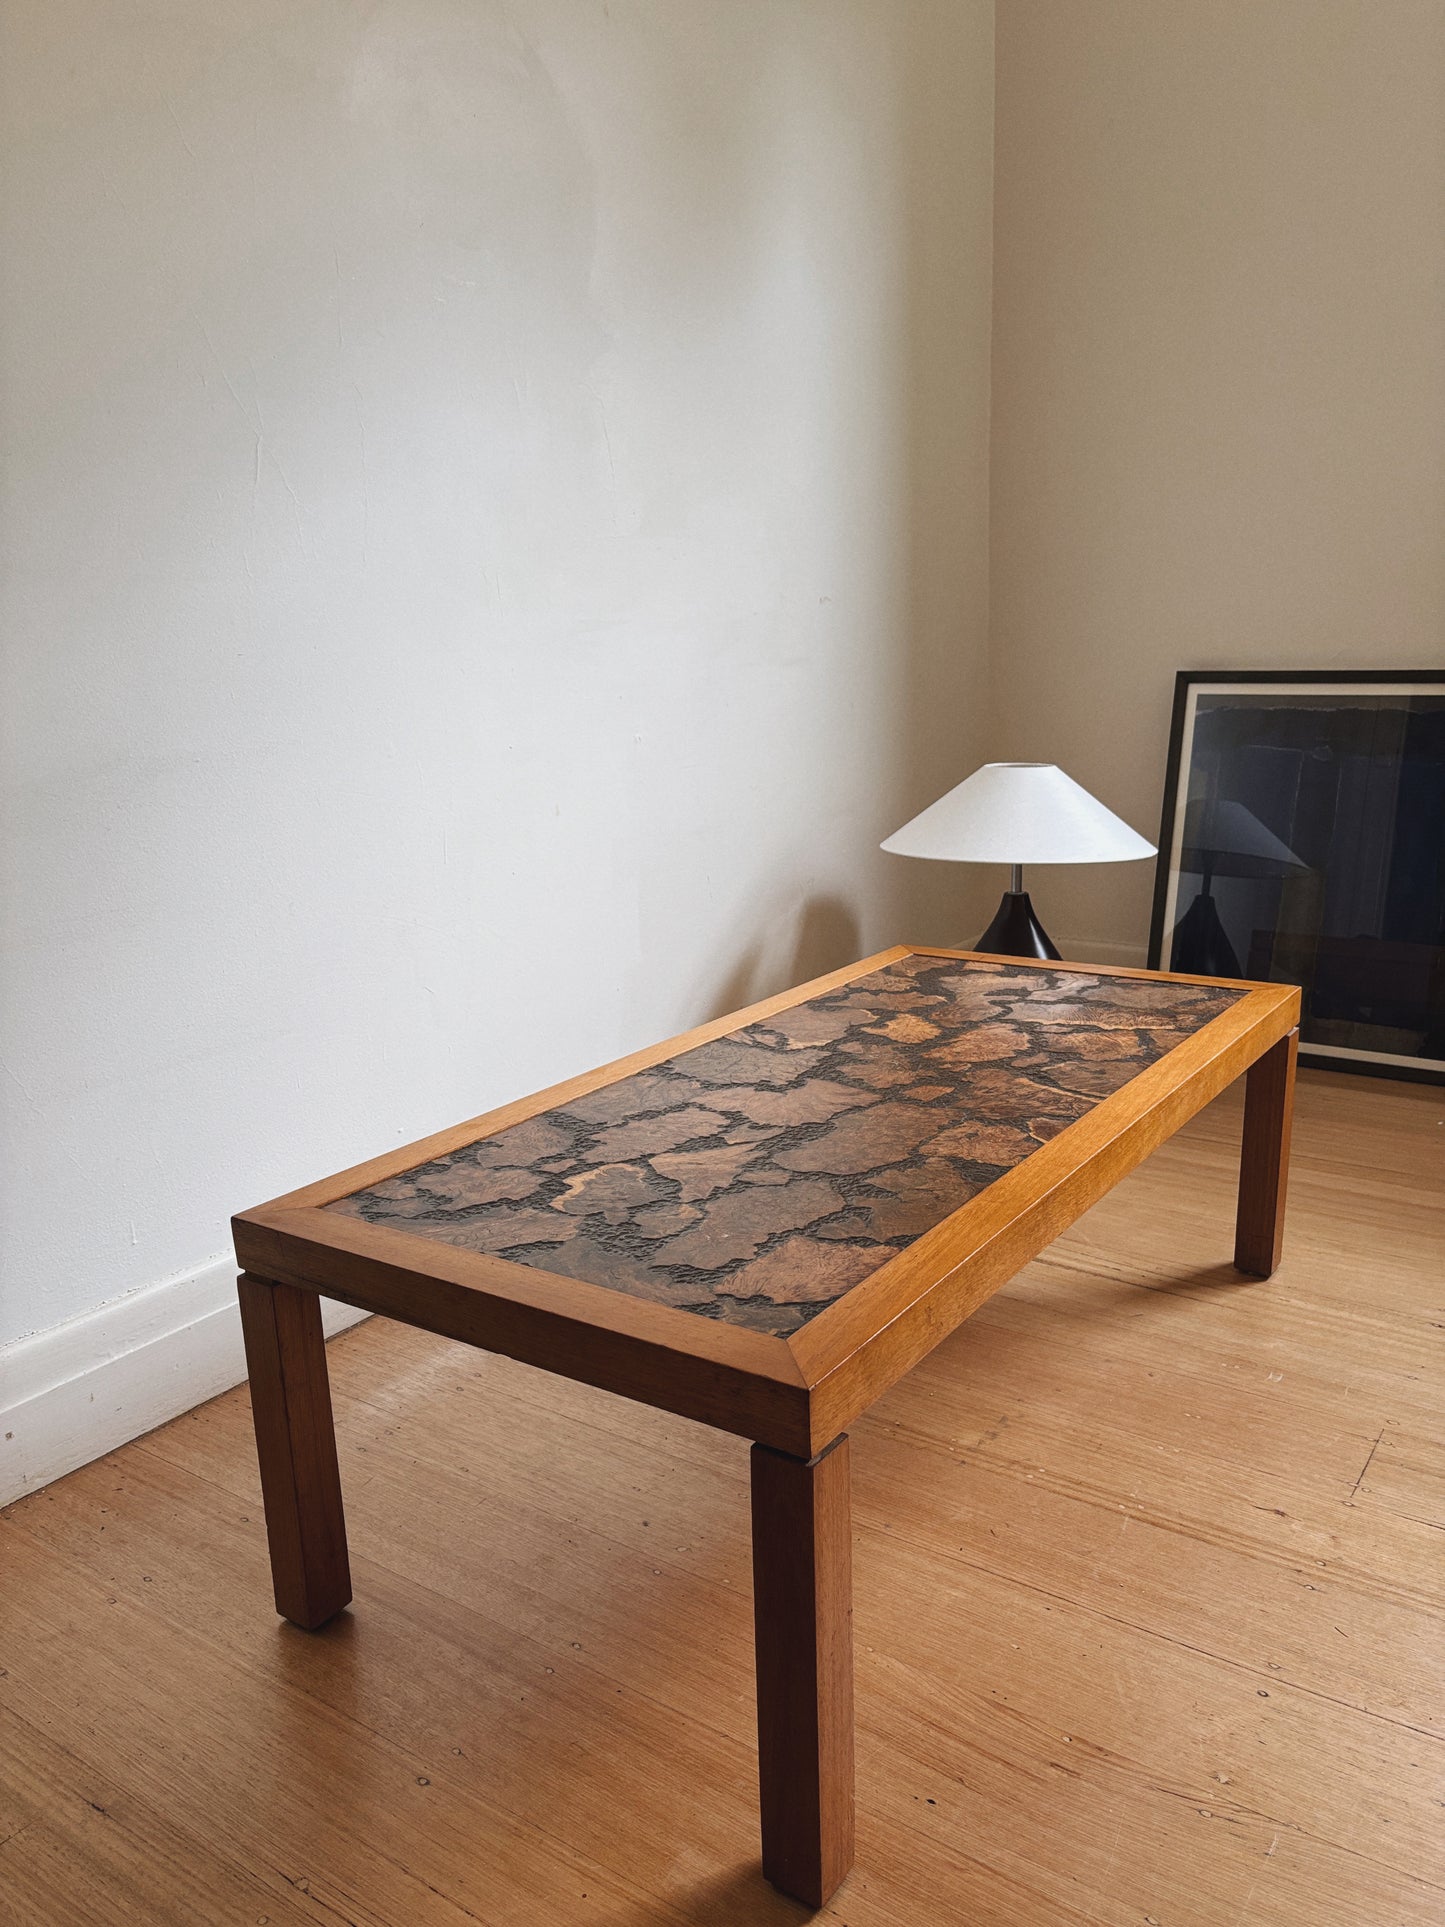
(1019, 813)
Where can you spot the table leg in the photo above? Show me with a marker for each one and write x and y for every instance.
(1264, 1158)
(296, 1446)
(803, 1625)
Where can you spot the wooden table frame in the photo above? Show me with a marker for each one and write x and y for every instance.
(793, 1397)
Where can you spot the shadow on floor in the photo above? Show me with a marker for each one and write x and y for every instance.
(739, 1898)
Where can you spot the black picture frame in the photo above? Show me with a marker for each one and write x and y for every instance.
(1290, 957)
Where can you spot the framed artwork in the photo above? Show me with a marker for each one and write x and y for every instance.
(1303, 842)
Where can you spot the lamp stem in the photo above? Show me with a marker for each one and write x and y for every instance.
(1016, 879)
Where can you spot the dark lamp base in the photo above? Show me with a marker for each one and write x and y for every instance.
(1016, 931)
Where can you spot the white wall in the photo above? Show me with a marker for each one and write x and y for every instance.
(1218, 374)
(494, 508)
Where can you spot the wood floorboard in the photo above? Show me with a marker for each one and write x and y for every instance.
(1405, 1475)
(85, 1849)
(1150, 1613)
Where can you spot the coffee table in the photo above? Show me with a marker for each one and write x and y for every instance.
(762, 1225)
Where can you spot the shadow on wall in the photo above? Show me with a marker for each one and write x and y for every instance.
(828, 937)
(931, 493)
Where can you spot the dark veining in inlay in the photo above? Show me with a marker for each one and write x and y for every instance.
(757, 1178)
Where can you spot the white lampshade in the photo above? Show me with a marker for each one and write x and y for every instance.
(1019, 813)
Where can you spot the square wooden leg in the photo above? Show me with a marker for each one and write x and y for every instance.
(296, 1446)
(803, 1625)
(1264, 1158)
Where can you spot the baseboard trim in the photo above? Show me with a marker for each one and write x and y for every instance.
(76, 1392)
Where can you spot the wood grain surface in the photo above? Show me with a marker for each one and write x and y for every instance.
(296, 1450)
(803, 1646)
(757, 1177)
(1264, 1158)
(855, 1349)
(1149, 1611)
(1093, 1069)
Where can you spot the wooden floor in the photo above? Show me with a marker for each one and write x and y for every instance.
(1150, 1613)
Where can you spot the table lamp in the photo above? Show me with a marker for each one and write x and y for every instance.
(1018, 813)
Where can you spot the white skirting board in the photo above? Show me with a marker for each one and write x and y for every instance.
(74, 1393)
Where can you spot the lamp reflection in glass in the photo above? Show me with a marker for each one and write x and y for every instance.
(1222, 839)
(1018, 813)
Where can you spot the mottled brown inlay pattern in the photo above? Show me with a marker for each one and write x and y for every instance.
(759, 1177)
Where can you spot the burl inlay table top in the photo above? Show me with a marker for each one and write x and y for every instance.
(762, 1225)
(755, 1178)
